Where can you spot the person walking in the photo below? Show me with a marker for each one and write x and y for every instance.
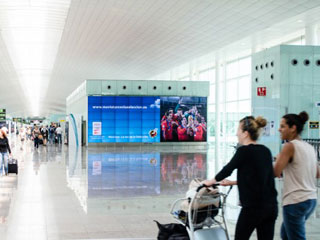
(51, 133)
(29, 133)
(255, 181)
(44, 133)
(59, 134)
(22, 135)
(36, 133)
(298, 163)
(4, 149)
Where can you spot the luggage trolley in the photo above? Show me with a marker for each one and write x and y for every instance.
(204, 218)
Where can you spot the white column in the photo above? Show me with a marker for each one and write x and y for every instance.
(9, 128)
(195, 73)
(311, 35)
(224, 110)
(217, 114)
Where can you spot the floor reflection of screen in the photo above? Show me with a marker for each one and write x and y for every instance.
(123, 174)
(178, 169)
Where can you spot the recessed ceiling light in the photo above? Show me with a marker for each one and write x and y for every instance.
(299, 21)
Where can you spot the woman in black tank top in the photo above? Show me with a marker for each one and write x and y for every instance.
(255, 182)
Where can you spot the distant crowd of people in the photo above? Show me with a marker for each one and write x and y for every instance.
(41, 135)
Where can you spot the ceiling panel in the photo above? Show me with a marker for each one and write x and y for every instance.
(138, 39)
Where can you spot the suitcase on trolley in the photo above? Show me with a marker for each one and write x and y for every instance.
(13, 166)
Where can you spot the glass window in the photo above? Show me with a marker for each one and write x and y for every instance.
(232, 70)
(245, 66)
(245, 107)
(234, 94)
(211, 124)
(231, 107)
(205, 63)
(208, 75)
(231, 128)
(212, 96)
(211, 108)
(244, 89)
(232, 90)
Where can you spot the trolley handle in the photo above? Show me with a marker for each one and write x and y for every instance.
(203, 185)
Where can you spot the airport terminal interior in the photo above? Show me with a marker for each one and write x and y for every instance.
(115, 111)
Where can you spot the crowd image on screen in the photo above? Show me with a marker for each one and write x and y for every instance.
(183, 124)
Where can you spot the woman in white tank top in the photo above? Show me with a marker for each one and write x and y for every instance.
(298, 163)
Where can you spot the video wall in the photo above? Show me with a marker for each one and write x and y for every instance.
(146, 119)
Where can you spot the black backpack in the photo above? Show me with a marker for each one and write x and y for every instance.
(172, 231)
(51, 130)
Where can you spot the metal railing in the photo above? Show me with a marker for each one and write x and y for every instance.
(316, 144)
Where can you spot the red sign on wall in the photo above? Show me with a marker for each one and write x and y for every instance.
(261, 91)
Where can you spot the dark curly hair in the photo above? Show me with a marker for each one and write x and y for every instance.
(297, 120)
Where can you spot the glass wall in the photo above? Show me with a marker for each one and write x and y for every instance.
(234, 104)
(234, 90)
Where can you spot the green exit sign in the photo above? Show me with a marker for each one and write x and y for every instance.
(2, 114)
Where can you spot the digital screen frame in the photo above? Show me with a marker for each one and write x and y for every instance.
(114, 119)
(123, 119)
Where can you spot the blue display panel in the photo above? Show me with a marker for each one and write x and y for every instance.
(123, 119)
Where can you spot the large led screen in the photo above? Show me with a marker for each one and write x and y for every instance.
(123, 119)
(183, 119)
(146, 119)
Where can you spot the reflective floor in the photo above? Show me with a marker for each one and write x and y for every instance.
(61, 193)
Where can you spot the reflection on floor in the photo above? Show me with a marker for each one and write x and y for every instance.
(63, 193)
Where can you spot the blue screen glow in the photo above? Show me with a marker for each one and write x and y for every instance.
(123, 119)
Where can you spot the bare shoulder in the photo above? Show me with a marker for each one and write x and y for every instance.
(288, 148)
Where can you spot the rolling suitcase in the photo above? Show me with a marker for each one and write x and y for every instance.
(13, 166)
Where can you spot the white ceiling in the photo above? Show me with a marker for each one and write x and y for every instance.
(138, 39)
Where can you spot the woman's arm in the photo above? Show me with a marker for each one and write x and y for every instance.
(283, 159)
(228, 169)
(226, 182)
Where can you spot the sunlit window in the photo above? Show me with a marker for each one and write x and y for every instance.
(212, 96)
(208, 75)
(232, 90)
(232, 70)
(244, 87)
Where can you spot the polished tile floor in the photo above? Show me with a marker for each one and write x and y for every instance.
(63, 193)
